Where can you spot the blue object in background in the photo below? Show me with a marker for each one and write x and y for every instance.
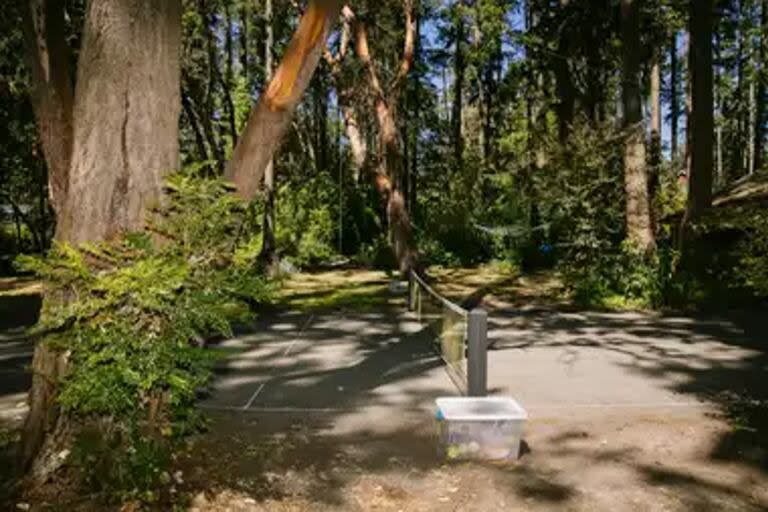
(545, 248)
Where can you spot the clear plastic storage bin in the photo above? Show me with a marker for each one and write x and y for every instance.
(480, 428)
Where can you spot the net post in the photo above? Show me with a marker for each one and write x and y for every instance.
(477, 357)
(410, 291)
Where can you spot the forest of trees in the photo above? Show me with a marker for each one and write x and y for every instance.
(592, 137)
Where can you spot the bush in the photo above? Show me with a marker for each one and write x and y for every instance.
(625, 278)
(132, 312)
(305, 229)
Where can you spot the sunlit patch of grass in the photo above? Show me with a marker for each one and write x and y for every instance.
(361, 290)
(618, 302)
(16, 286)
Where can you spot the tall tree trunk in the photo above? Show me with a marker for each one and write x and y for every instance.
(702, 122)
(228, 82)
(268, 242)
(242, 36)
(738, 165)
(459, 65)
(390, 153)
(215, 136)
(416, 126)
(271, 117)
(194, 122)
(52, 91)
(718, 109)
(654, 168)
(566, 90)
(688, 108)
(357, 143)
(762, 85)
(674, 108)
(638, 213)
(126, 115)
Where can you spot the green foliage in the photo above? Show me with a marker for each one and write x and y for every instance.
(726, 257)
(622, 279)
(581, 203)
(122, 465)
(753, 250)
(305, 220)
(580, 194)
(131, 314)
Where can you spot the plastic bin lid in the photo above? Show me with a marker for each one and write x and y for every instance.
(495, 408)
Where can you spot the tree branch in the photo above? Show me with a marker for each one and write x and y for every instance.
(408, 48)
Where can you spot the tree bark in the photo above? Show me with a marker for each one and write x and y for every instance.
(215, 137)
(52, 90)
(126, 113)
(194, 123)
(762, 85)
(390, 153)
(268, 239)
(271, 117)
(688, 109)
(638, 213)
(242, 36)
(566, 90)
(654, 167)
(702, 121)
(674, 108)
(458, 88)
(229, 76)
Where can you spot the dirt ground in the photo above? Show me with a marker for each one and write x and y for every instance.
(603, 462)
(669, 457)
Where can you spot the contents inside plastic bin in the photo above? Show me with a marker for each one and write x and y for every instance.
(488, 428)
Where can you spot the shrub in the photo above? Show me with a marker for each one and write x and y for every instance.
(131, 314)
(305, 221)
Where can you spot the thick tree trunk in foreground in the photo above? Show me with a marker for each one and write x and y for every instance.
(126, 117)
(52, 95)
(271, 117)
(638, 213)
(702, 120)
(126, 114)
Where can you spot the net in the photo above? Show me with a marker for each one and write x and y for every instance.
(447, 322)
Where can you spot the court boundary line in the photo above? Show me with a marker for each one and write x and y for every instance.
(286, 352)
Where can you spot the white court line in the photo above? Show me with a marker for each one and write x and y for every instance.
(274, 409)
(285, 353)
(253, 397)
(650, 405)
(298, 336)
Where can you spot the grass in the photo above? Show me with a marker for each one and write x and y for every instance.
(16, 286)
(357, 290)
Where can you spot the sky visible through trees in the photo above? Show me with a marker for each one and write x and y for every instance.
(149, 146)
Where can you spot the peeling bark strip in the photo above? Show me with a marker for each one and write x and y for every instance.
(126, 115)
(272, 115)
(52, 95)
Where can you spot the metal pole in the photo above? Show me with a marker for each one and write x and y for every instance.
(410, 291)
(477, 357)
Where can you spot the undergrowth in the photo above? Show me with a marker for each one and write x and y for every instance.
(132, 314)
